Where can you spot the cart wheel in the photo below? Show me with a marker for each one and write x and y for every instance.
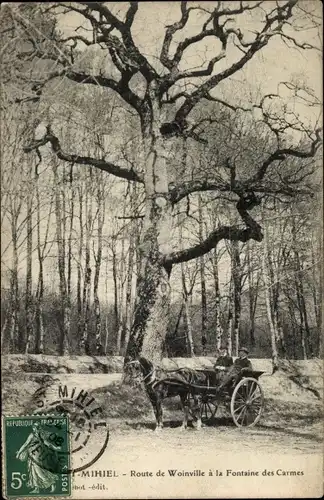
(247, 402)
(208, 410)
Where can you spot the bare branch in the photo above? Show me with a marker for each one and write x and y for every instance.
(178, 192)
(282, 154)
(273, 26)
(232, 233)
(101, 164)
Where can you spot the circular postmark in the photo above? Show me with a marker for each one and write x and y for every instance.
(88, 429)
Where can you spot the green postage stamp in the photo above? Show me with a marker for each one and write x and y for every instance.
(37, 456)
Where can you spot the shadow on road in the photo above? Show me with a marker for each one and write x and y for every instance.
(279, 430)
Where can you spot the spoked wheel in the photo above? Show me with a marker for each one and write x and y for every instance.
(208, 410)
(247, 402)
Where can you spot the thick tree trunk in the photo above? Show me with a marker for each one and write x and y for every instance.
(153, 288)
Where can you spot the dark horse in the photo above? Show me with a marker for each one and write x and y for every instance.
(161, 384)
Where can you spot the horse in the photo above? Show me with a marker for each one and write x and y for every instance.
(160, 384)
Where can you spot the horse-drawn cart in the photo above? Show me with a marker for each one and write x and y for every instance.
(243, 397)
(201, 391)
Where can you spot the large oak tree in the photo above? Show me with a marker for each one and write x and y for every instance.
(171, 104)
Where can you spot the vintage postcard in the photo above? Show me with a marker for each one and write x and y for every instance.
(162, 249)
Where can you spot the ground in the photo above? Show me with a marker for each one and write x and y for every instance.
(292, 419)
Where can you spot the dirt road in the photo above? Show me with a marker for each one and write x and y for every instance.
(214, 462)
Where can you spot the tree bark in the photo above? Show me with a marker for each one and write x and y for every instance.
(153, 288)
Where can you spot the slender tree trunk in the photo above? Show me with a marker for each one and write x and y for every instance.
(274, 293)
(304, 327)
(187, 317)
(120, 284)
(321, 296)
(79, 267)
(3, 331)
(236, 279)
(202, 281)
(116, 301)
(293, 321)
(60, 238)
(252, 295)
(315, 292)
(29, 277)
(129, 281)
(14, 335)
(106, 336)
(267, 295)
(230, 321)
(218, 326)
(185, 296)
(69, 263)
(85, 343)
(39, 343)
(100, 222)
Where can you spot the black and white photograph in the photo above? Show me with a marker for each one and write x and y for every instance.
(162, 249)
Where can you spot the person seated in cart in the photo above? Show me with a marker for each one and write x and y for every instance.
(223, 362)
(241, 362)
(224, 359)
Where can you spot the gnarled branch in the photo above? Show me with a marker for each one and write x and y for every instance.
(252, 230)
(102, 164)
